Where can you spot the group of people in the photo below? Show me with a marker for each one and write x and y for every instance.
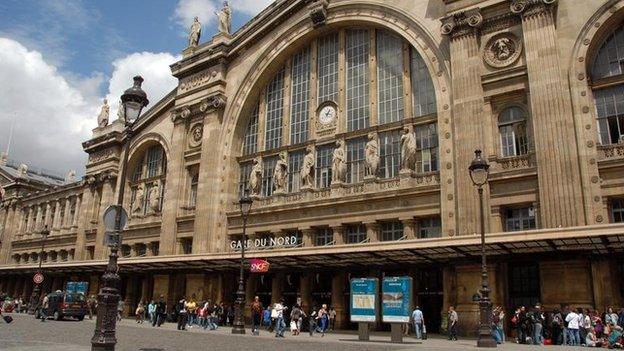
(568, 326)
(277, 316)
(13, 304)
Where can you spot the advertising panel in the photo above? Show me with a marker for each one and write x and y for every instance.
(364, 299)
(396, 300)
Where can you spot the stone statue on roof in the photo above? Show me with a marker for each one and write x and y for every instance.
(22, 171)
(195, 33)
(103, 117)
(121, 113)
(70, 177)
(225, 19)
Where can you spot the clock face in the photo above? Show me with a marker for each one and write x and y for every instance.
(327, 114)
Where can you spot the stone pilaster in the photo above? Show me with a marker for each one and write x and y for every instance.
(372, 231)
(30, 222)
(560, 193)
(67, 213)
(409, 228)
(339, 234)
(57, 216)
(308, 237)
(84, 217)
(38, 219)
(338, 298)
(76, 211)
(8, 234)
(101, 251)
(48, 216)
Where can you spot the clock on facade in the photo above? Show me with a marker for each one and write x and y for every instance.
(327, 113)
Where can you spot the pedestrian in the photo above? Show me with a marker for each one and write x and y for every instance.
(501, 323)
(453, 319)
(203, 315)
(213, 317)
(151, 312)
(295, 319)
(91, 303)
(611, 318)
(266, 318)
(322, 318)
(332, 318)
(557, 327)
(573, 328)
(280, 325)
(230, 315)
(191, 307)
(161, 311)
(537, 319)
(182, 314)
(418, 319)
(140, 312)
(120, 309)
(494, 320)
(312, 321)
(43, 311)
(256, 315)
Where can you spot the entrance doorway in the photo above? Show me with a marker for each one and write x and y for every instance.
(524, 287)
(321, 289)
(264, 288)
(430, 297)
(291, 289)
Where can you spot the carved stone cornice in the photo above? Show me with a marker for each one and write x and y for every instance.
(318, 12)
(528, 8)
(214, 102)
(462, 23)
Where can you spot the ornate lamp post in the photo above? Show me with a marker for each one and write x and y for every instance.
(245, 203)
(479, 172)
(34, 299)
(133, 101)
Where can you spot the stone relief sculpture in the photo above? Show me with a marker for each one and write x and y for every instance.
(154, 197)
(408, 149)
(339, 163)
(225, 19)
(195, 33)
(121, 114)
(139, 196)
(280, 174)
(502, 50)
(372, 155)
(70, 177)
(255, 177)
(307, 169)
(22, 171)
(103, 116)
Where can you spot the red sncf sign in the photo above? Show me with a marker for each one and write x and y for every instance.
(257, 265)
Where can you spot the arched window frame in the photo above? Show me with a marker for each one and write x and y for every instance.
(150, 169)
(513, 132)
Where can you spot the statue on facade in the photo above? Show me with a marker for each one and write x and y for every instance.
(154, 197)
(280, 173)
(307, 169)
(255, 177)
(137, 206)
(121, 113)
(70, 177)
(22, 171)
(4, 158)
(103, 116)
(408, 149)
(372, 155)
(195, 33)
(225, 19)
(339, 163)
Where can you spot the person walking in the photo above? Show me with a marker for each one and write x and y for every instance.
(202, 314)
(191, 308)
(120, 309)
(573, 328)
(322, 318)
(453, 319)
(256, 315)
(151, 312)
(332, 318)
(182, 314)
(161, 311)
(266, 318)
(295, 319)
(557, 327)
(280, 325)
(91, 303)
(537, 319)
(43, 311)
(139, 313)
(312, 321)
(419, 320)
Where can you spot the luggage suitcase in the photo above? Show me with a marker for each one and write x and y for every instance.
(424, 333)
(8, 319)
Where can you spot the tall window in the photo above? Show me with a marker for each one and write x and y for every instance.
(268, 167)
(610, 113)
(357, 50)
(150, 171)
(323, 166)
(356, 233)
(423, 93)
(327, 69)
(243, 180)
(390, 153)
(193, 190)
(300, 97)
(275, 111)
(389, 77)
(250, 144)
(609, 60)
(426, 148)
(519, 219)
(391, 231)
(186, 246)
(429, 227)
(513, 133)
(324, 236)
(355, 160)
(617, 210)
(295, 160)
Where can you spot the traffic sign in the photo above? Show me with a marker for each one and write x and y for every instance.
(110, 215)
(38, 278)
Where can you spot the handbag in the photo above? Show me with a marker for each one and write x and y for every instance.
(8, 319)
(424, 332)
(293, 325)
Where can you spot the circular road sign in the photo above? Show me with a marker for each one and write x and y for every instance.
(109, 217)
(38, 278)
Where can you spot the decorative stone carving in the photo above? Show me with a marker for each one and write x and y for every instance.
(372, 155)
(22, 171)
(121, 114)
(408, 149)
(502, 50)
(70, 177)
(197, 80)
(318, 12)
(462, 23)
(225, 19)
(512, 163)
(526, 7)
(255, 177)
(154, 197)
(103, 116)
(614, 151)
(339, 163)
(280, 173)
(101, 155)
(195, 135)
(139, 198)
(195, 33)
(307, 169)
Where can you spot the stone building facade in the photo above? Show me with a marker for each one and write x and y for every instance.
(353, 123)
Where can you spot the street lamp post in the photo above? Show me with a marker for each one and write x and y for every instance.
(245, 203)
(34, 299)
(133, 101)
(479, 172)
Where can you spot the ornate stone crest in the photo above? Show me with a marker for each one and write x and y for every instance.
(195, 135)
(502, 50)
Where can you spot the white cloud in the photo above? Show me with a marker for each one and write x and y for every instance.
(250, 7)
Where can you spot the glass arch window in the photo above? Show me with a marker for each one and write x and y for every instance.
(149, 172)
(512, 128)
(609, 60)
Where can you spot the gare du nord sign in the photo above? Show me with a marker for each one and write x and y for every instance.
(267, 243)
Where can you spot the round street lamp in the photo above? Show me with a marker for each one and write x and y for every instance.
(34, 299)
(479, 172)
(245, 203)
(133, 101)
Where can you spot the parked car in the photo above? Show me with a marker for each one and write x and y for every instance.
(63, 304)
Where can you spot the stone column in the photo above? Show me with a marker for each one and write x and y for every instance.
(560, 190)
(48, 216)
(83, 220)
(409, 228)
(101, 251)
(339, 234)
(277, 287)
(496, 223)
(308, 237)
(67, 213)
(372, 231)
(338, 298)
(76, 212)
(31, 219)
(57, 216)
(38, 219)
(305, 290)
(8, 234)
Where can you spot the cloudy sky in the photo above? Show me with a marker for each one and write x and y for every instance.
(59, 59)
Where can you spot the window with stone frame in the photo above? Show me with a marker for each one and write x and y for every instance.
(300, 96)
(323, 170)
(355, 160)
(324, 237)
(391, 231)
(155, 248)
(426, 148)
(430, 227)
(295, 161)
(512, 128)
(141, 250)
(243, 181)
(126, 251)
(150, 171)
(250, 143)
(390, 154)
(193, 188)
(274, 112)
(186, 246)
(53, 255)
(520, 218)
(389, 77)
(423, 91)
(356, 233)
(358, 100)
(268, 167)
(327, 67)
(617, 210)
(63, 256)
(90, 252)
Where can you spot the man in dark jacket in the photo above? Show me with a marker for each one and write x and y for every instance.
(161, 311)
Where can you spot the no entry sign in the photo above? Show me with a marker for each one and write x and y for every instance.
(38, 278)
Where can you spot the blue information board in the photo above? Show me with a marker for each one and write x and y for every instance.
(77, 287)
(396, 300)
(364, 299)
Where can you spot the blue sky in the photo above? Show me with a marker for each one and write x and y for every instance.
(59, 59)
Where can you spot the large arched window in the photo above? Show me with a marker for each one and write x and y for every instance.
(513, 132)
(608, 84)
(373, 79)
(148, 181)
